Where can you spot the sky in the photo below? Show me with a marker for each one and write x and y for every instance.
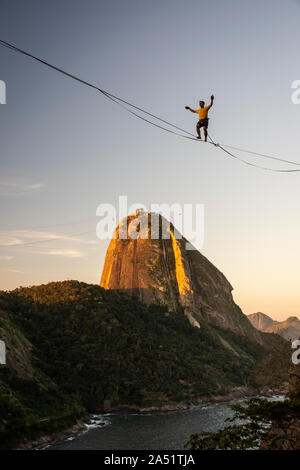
(65, 148)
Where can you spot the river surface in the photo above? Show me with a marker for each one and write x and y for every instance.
(149, 431)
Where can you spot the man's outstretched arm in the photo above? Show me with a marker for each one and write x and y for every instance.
(190, 109)
(211, 101)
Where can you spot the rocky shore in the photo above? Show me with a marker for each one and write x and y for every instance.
(239, 393)
(82, 425)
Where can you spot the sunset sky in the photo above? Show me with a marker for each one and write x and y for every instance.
(65, 148)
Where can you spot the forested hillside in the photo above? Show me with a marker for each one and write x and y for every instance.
(73, 346)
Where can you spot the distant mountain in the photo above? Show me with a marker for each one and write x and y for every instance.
(260, 321)
(288, 329)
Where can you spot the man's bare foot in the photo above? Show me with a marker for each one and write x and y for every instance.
(198, 137)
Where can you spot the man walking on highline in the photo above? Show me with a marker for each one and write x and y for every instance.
(203, 119)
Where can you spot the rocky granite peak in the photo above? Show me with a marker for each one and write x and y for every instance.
(165, 271)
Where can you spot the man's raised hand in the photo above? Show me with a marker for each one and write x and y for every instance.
(212, 97)
(187, 107)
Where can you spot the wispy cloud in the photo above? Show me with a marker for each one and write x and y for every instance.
(63, 253)
(34, 186)
(21, 237)
(16, 271)
(9, 188)
(8, 241)
(6, 258)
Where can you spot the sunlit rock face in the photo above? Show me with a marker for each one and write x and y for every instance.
(160, 269)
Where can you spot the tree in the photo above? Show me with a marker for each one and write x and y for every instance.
(251, 424)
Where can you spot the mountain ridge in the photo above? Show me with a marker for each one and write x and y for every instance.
(288, 329)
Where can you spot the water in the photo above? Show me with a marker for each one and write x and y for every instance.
(149, 431)
(153, 431)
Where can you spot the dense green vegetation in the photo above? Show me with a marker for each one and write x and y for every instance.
(256, 422)
(27, 410)
(94, 349)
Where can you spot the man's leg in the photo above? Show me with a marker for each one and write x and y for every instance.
(198, 131)
(205, 133)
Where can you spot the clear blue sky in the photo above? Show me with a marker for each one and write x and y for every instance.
(65, 149)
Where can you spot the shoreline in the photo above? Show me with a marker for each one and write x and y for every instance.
(89, 420)
(86, 422)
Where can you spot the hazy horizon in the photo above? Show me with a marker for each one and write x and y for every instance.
(65, 148)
